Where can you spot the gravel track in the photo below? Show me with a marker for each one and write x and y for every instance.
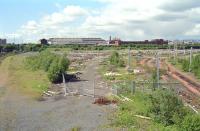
(19, 112)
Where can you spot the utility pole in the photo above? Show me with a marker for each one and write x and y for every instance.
(94, 86)
(184, 51)
(158, 69)
(190, 59)
(129, 58)
(174, 53)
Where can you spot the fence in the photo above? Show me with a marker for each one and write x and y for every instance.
(146, 87)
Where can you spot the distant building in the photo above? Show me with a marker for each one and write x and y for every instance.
(118, 42)
(3, 41)
(44, 41)
(79, 41)
(159, 41)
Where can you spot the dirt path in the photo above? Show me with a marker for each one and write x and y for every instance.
(21, 113)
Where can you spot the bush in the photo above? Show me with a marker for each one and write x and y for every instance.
(191, 123)
(54, 72)
(166, 107)
(116, 60)
(54, 64)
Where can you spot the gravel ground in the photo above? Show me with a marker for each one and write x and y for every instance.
(21, 113)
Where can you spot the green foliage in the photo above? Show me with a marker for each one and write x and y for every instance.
(166, 107)
(63, 63)
(154, 75)
(125, 119)
(54, 64)
(191, 123)
(38, 47)
(116, 60)
(54, 72)
(76, 129)
(195, 65)
(185, 65)
(57, 68)
(125, 115)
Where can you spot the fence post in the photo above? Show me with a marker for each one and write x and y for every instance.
(133, 84)
(190, 59)
(158, 69)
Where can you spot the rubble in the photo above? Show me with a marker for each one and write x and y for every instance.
(104, 101)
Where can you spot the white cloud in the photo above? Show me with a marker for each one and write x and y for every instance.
(128, 19)
(194, 31)
(53, 24)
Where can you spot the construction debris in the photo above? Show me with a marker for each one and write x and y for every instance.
(112, 74)
(143, 117)
(104, 101)
(125, 98)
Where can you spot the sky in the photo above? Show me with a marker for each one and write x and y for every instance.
(31, 20)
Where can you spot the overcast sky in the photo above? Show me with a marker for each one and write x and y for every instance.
(30, 20)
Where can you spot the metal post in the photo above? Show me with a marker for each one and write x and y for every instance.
(184, 51)
(158, 68)
(133, 87)
(169, 51)
(129, 58)
(190, 59)
(94, 85)
(175, 52)
(64, 84)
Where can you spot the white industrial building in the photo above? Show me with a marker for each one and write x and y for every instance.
(80, 41)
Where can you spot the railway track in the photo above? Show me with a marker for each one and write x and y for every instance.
(189, 83)
(191, 93)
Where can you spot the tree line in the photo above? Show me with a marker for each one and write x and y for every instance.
(39, 47)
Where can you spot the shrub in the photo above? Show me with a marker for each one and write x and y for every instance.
(116, 60)
(166, 107)
(54, 72)
(54, 64)
(191, 123)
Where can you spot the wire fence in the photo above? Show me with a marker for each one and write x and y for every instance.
(123, 87)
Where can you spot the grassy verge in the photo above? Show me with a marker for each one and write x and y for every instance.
(125, 117)
(137, 114)
(22, 79)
